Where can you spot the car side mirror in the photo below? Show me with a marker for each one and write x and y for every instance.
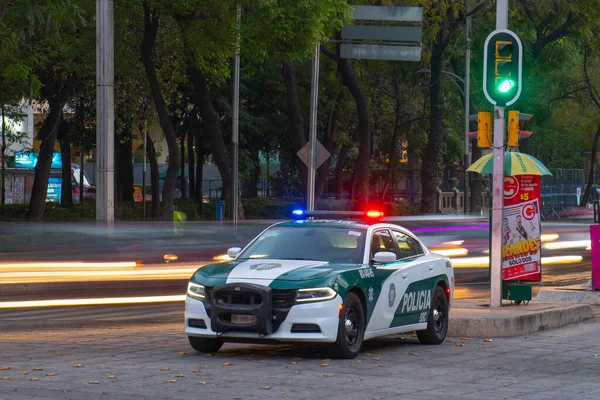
(233, 252)
(384, 257)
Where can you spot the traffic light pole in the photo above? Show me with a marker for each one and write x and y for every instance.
(467, 87)
(498, 182)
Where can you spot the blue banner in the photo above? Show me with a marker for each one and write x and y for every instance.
(28, 159)
(54, 189)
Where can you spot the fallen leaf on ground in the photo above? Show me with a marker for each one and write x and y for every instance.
(33, 379)
(327, 375)
(449, 341)
(181, 353)
(51, 374)
(208, 355)
(4, 369)
(5, 378)
(367, 354)
(293, 362)
(487, 340)
(171, 380)
(412, 353)
(326, 360)
(164, 369)
(22, 373)
(324, 365)
(195, 371)
(375, 358)
(265, 387)
(93, 382)
(231, 380)
(459, 344)
(297, 359)
(77, 365)
(358, 361)
(37, 369)
(227, 364)
(112, 377)
(203, 383)
(295, 372)
(178, 375)
(464, 338)
(283, 392)
(413, 335)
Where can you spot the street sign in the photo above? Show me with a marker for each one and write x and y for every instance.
(322, 154)
(398, 40)
(378, 52)
(502, 67)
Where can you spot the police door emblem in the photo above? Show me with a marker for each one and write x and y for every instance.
(392, 295)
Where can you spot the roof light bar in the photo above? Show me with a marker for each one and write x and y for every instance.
(371, 214)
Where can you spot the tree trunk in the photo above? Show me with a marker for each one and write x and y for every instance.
(296, 121)
(125, 161)
(361, 187)
(393, 153)
(429, 169)
(117, 173)
(151, 20)
(191, 162)
(212, 127)
(154, 176)
(199, 175)
(588, 188)
(184, 192)
(39, 190)
(65, 155)
(339, 172)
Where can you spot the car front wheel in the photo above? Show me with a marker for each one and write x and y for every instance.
(204, 345)
(437, 322)
(351, 328)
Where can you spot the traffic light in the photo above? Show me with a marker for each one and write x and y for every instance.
(484, 130)
(502, 66)
(513, 129)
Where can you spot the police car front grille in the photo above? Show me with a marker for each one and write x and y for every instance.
(239, 298)
(282, 298)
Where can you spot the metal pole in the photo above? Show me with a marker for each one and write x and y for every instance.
(105, 130)
(467, 152)
(312, 155)
(3, 156)
(81, 187)
(144, 173)
(235, 123)
(498, 182)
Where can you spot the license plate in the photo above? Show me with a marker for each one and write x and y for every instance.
(242, 319)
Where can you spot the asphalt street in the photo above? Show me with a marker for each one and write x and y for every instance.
(115, 353)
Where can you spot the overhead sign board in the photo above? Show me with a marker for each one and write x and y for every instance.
(383, 13)
(382, 33)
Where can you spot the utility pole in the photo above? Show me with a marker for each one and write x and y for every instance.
(467, 87)
(312, 155)
(235, 123)
(3, 150)
(144, 173)
(105, 130)
(498, 182)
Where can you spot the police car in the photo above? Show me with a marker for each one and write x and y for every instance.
(332, 281)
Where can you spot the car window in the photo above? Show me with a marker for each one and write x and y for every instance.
(382, 241)
(309, 243)
(407, 246)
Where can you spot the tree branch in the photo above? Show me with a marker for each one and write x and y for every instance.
(477, 7)
(4, 9)
(328, 53)
(592, 88)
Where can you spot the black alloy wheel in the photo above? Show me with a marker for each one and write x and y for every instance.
(437, 322)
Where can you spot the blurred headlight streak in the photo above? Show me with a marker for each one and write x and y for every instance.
(222, 257)
(453, 243)
(561, 260)
(548, 237)
(71, 264)
(479, 262)
(91, 302)
(574, 244)
(451, 252)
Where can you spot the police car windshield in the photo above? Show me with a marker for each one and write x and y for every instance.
(331, 244)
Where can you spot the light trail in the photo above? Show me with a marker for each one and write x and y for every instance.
(573, 244)
(483, 262)
(67, 265)
(451, 252)
(548, 237)
(92, 302)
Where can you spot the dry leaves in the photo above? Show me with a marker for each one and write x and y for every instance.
(375, 358)
(487, 340)
(464, 338)
(358, 361)
(164, 369)
(37, 369)
(171, 380)
(195, 371)
(367, 354)
(412, 353)
(459, 344)
(227, 364)
(179, 376)
(181, 353)
(77, 365)
(93, 382)
(296, 372)
(449, 341)
(111, 376)
(5, 378)
(283, 392)
(22, 373)
(4, 368)
(231, 380)
(265, 387)
(324, 364)
(293, 362)
(208, 355)
(32, 379)
(50, 374)
(327, 375)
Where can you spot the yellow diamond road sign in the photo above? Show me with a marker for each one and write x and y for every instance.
(322, 154)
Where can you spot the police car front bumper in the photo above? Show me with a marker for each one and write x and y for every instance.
(309, 322)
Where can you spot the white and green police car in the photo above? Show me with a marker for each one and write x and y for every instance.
(322, 280)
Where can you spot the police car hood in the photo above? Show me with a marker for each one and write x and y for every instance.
(265, 271)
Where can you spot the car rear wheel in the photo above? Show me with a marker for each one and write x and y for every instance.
(437, 322)
(204, 345)
(351, 328)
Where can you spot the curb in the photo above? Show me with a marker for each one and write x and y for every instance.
(510, 322)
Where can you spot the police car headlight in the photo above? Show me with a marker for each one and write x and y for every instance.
(196, 291)
(315, 294)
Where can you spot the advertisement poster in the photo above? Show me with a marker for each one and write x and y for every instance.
(521, 229)
(54, 189)
(28, 159)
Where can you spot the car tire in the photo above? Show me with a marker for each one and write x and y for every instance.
(204, 345)
(437, 322)
(351, 329)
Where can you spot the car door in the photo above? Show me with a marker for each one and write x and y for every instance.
(393, 278)
(415, 301)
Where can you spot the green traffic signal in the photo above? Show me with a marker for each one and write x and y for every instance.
(506, 85)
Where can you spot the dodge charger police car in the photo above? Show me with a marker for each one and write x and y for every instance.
(332, 281)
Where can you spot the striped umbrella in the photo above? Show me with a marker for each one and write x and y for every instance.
(514, 164)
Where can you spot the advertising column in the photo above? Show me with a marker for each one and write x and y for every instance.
(521, 229)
